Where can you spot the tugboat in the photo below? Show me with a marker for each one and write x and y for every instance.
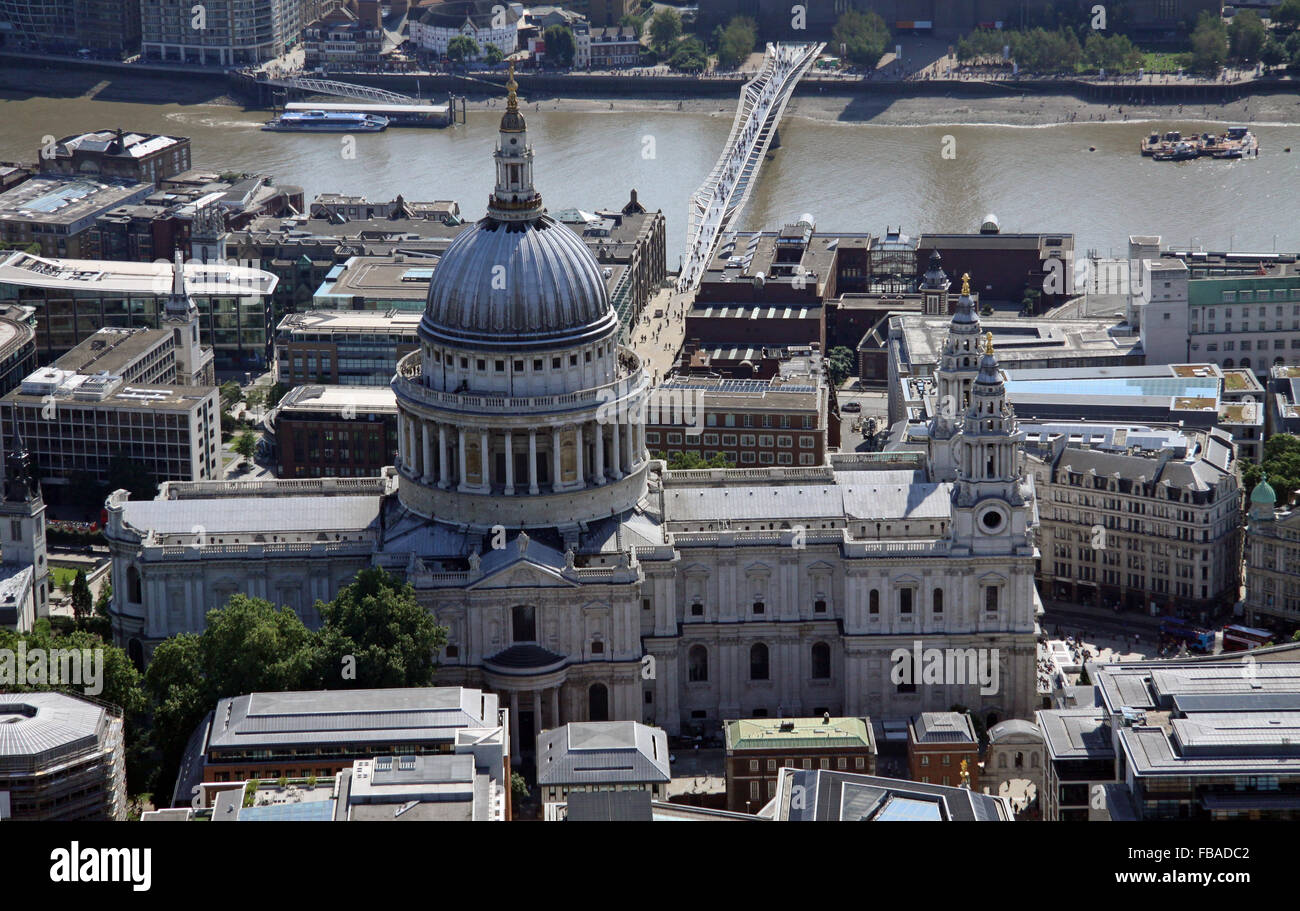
(327, 122)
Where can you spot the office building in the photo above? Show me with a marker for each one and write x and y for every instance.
(1080, 759)
(57, 213)
(1145, 518)
(334, 431)
(75, 298)
(230, 33)
(107, 29)
(61, 759)
(1272, 559)
(77, 426)
(823, 795)
(343, 347)
(300, 734)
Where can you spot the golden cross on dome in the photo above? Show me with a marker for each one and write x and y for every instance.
(512, 102)
(965, 283)
(988, 342)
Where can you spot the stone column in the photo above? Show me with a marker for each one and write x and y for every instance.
(460, 436)
(555, 706)
(514, 726)
(485, 474)
(577, 455)
(537, 716)
(444, 475)
(510, 463)
(532, 462)
(428, 452)
(616, 452)
(555, 458)
(401, 441)
(600, 454)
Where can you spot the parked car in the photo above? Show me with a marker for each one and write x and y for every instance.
(851, 406)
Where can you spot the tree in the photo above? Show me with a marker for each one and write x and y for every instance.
(1273, 53)
(1209, 43)
(634, 22)
(82, 602)
(1282, 464)
(1287, 14)
(231, 395)
(690, 56)
(119, 681)
(862, 36)
(560, 45)
(1292, 47)
(246, 445)
(693, 461)
(462, 48)
(377, 622)
(665, 29)
(518, 786)
(493, 55)
(1114, 53)
(275, 393)
(737, 42)
(1246, 36)
(841, 364)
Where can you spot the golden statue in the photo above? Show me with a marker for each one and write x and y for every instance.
(965, 774)
(512, 102)
(988, 342)
(965, 283)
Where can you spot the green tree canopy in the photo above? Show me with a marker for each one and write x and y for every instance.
(1281, 462)
(246, 444)
(861, 37)
(560, 45)
(231, 394)
(82, 602)
(665, 29)
(462, 48)
(1114, 53)
(737, 41)
(120, 680)
(689, 461)
(841, 364)
(690, 56)
(378, 621)
(1287, 14)
(1246, 36)
(1209, 43)
(635, 22)
(493, 54)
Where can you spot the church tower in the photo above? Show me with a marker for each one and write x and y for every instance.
(181, 316)
(992, 500)
(22, 524)
(958, 368)
(934, 289)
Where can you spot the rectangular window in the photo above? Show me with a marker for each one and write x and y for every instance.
(905, 601)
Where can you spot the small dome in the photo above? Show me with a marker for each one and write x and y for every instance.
(513, 283)
(1264, 494)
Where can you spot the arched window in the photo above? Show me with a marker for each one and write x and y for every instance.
(598, 703)
(1227, 362)
(873, 602)
(1033, 760)
(821, 661)
(133, 585)
(938, 600)
(697, 664)
(523, 623)
(1245, 362)
(758, 669)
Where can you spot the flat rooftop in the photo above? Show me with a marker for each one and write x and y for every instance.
(112, 277)
(1076, 733)
(1017, 340)
(380, 277)
(66, 200)
(364, 399)
(326, 322)
(799, 733)
(112, 350)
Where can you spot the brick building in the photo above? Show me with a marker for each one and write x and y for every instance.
(335, 431)
(937, 742)
(758, 748)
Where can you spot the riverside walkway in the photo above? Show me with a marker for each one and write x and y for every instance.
(725, 191)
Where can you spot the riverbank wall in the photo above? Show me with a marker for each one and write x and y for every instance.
(161, 82)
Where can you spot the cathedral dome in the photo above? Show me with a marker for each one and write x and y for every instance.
(517, 282)
(517, 278)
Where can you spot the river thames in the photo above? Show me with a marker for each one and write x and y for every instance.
(850, 175)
